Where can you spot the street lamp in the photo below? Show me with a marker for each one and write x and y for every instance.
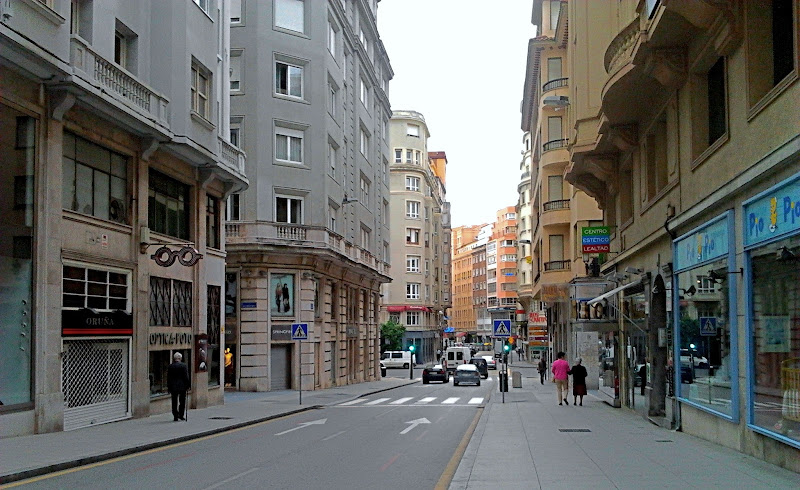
(411, 348)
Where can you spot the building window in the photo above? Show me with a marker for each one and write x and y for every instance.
(97, 289)
(364, 143)
(364, 92)
(288, 79)
(412, 236)
(120, 49)
(213, 237)
(412, 130)
(332, 212)
(288, 210)
(95, 180)
(409, 156)
(413, 318)
(717, 120)
(656, 155)
(203, 4)
(398, 155)
(417, 157)
(201, 87)
(331, 160)
(213, 329)
(553, 129)
(333, 96)
(553, 73)
(412, 290)
(366, 238)
(290, 14)
(170, 302)
(412, 209)
(412, 263)
(364, 191)
(771, 47)
(233, 210)
(412, 183)
(168, 206)
(555, 188)
(555, 8)
(332, 38)
(236, 11)
(236, 71)
(556, 248)
(709, 108)
(288, 145)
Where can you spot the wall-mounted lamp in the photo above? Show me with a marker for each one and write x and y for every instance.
(715, 277)
(348, 201)
(784, 254)
(557, 101)
(691, 291)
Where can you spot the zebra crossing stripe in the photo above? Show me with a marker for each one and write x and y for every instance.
(425, 400)
(353, 402)
(450, 401)
(400, 401)
(379, 400)
(475, 401)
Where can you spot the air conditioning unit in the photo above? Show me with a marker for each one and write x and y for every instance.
(117, 211)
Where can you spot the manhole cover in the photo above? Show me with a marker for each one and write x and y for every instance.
(220, 418)
(574, 430)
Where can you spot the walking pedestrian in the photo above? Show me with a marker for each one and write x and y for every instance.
(178, 382)
(579, 374)
(542, 370)
(560, 368)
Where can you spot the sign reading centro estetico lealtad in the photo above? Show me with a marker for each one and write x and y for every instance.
(595, 239)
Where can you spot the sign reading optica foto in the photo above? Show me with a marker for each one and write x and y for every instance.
(595, 239)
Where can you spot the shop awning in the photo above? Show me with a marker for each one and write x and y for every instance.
(461, 334)
(614, 291)
(402, 308)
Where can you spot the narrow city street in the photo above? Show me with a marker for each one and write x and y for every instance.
(403, 438)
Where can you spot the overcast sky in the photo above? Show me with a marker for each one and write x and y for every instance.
(461, 63)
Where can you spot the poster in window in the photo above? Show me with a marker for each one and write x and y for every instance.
(775, 334)
(282, 288)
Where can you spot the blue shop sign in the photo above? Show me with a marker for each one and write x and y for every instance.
(773, 213)
(703, 244)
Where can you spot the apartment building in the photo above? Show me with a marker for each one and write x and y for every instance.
(309, 241)
(462, 318)
(502, 272)
(552, 211)
(116, 168)
(686, 135)
(418, 295)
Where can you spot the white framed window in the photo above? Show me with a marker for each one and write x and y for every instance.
(412, 183)
(364, 191)
(288, 145)
(332, 32)
(120, 49)
(288, 79)
(413, 318)
(412, 209)
(412, 263)
(366, 238)
(398, 155)
(412, 236)
(409, 156)
(289, 209)
(363, 92)
(412, 130)
(331, 160)
(201, 87)
(385, 170)
(332, 217)
(364, 143)
(203, 4)
(427, 292)
(236, 135)
(104, 289)
(290, 14)
(233, 208)
(412, 290)
(417, 157)
(362, 36)
(333, 96)
(236, 71)
(385, 217)
(236, 11)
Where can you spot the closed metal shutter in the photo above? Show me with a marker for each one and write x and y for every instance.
(280, 364)
(95, 382)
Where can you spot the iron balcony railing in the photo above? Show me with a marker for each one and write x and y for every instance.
(554, 205)
(555, 83)
(557, 265)
(552, 145)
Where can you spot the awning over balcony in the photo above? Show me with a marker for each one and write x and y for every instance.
(402, 308)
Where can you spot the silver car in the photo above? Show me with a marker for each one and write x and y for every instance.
(467, 373)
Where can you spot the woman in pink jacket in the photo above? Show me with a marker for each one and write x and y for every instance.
(560, 368)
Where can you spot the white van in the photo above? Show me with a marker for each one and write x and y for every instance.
(396, 358)
(455, 356)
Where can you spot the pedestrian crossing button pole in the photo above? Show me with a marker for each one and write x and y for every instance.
(411, 348)
(300, 333)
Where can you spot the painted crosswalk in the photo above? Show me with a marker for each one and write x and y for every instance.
(411, 401)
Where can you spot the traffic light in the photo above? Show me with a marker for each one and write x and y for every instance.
(506, 348)
(412, 348)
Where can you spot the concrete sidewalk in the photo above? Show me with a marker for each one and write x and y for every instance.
(29, 456)
(531, 442)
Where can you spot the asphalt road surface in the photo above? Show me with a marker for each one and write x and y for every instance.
(406, 438)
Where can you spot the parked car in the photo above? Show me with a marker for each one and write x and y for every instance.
(383, 370)
(482, 366)
(435, 372)
(396, 358)
(467, 373)
(490, 362)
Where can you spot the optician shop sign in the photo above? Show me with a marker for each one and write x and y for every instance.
(595, 239)
(705, 243)
(773, 213)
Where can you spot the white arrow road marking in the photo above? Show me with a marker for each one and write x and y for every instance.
(400, 401)
(414, 423)
(302, 425)
(379, 400)
(475, 401)
(427, 399)
(449, 401)
(353, 402)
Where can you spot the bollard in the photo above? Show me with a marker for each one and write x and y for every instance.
(516, 379)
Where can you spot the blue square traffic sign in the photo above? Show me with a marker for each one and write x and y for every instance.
(501, 328)
(299, 331)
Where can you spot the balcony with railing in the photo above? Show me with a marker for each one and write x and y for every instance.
(557, 265)
(231, 156)
(242, 235)
(554, 152)
(554, 84)
(109, 79)
(555, 213)
(556, 205)
(555, 144)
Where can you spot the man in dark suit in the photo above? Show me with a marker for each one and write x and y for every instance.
(178, 382)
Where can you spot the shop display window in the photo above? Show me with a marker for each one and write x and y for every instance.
(159, 362)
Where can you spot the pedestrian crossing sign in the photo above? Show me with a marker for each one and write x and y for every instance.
(502, 328)
(300, 331)
(708, 325)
